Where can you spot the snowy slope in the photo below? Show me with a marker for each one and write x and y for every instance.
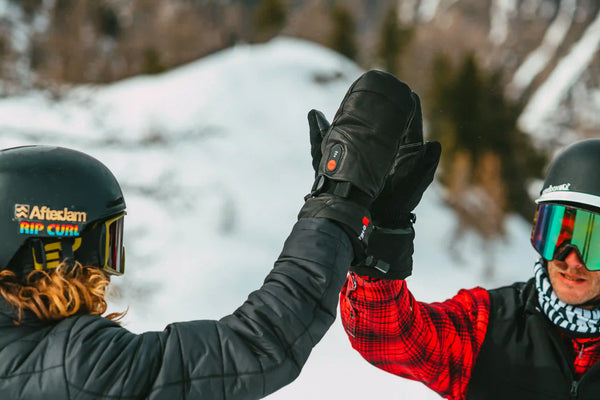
(540, 114)
(214, 162)
(537, 60)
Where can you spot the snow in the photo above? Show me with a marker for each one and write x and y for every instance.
(500, 13)
(407, 10)
(536, 117)
(428, 10)
(528, 8)
(214, 160)
(541, 56)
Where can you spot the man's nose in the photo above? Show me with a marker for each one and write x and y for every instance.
(573, 260)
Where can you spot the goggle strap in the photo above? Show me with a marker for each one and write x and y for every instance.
(38, 253)
(50, 255)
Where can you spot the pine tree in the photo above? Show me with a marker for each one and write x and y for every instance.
(269, 18)
(393, 41)
(152, 62)
(342, 37)
(440, 124)
(472, 118)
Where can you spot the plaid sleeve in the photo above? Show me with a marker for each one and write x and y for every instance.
(435, 343)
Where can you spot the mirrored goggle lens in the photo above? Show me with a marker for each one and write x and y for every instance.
(557, 226)
(114, 259)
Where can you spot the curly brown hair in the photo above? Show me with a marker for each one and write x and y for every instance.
(58, 293)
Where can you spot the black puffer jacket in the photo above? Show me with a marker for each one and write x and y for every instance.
(247, 355)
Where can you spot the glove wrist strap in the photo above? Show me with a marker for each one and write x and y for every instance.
(346, 190)
(389, 254)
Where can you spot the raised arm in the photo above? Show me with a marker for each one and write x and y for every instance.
(432, 343)
(436, 344)
(249, 354)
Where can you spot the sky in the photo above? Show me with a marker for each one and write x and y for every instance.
(214, 162)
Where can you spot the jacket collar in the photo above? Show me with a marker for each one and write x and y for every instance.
(9, 314)
(530, 298)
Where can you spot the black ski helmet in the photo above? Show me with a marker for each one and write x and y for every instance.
(573, 177)
(51, 200)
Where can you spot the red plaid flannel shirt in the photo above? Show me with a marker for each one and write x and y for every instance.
(436, 343)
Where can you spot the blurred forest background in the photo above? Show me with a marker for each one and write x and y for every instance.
(465, 58)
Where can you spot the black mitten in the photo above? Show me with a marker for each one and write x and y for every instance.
(358, 153)
(413, 172)
(390, 251)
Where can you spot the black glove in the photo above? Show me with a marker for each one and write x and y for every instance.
(389, 255)
(413, 172)
(390, 251)
(360, 149)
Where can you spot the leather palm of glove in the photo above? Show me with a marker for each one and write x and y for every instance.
(390, 248)
(354, 156)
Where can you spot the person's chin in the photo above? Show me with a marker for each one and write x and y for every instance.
(571, 289)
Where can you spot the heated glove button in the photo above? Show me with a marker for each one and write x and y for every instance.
(335, 155)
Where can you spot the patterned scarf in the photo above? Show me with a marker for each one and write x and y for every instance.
(568, 317)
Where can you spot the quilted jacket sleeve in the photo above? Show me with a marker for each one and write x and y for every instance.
(249, 354)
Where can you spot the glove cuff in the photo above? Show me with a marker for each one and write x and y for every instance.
(350, 216)
(398, 223)
(389, 254)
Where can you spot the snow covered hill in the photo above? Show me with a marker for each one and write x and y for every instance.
(547, 52)
(214, 160)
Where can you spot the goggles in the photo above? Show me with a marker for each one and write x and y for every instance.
(558, 230)
(114, 250)
(103, 245)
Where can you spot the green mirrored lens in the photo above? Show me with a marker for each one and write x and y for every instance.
(547, 229)
(555, 223)
(586, 236)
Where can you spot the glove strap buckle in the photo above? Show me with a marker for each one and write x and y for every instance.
(373, 262)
